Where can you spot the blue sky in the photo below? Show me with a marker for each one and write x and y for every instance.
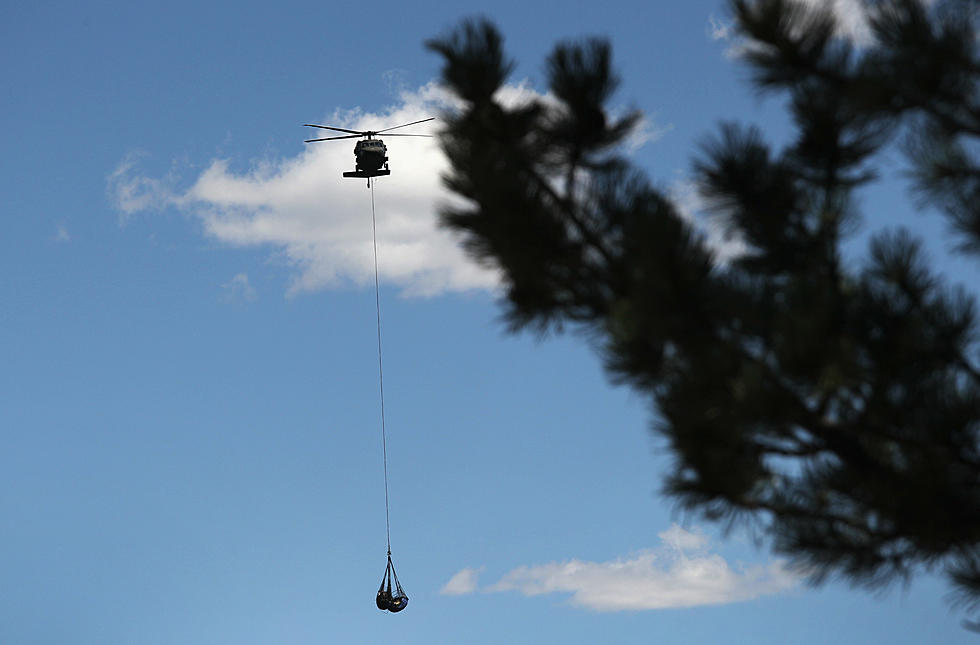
(188, 393)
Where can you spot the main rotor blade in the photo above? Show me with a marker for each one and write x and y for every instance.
(395, 134)
(349, 136)
(328, 127)
(431, 118)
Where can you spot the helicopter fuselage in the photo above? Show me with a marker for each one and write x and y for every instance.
(371, 154)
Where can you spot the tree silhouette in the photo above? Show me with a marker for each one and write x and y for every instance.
(837, 407)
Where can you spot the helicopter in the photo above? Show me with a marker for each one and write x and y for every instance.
(370, 153)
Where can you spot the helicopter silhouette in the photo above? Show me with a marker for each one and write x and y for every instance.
(370, 153)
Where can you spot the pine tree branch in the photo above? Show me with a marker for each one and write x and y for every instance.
(801, 513)
(567, 204)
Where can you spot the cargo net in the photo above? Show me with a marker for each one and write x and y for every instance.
(393, 600)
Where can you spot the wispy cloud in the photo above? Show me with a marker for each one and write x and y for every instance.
(319, 221)
(719, 29)
(464, 582)
(239, 290)
(727, 245)
(681, 572)
(61, 234)
(131, 192)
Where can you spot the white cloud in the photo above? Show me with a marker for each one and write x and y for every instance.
(726, 245)
(680, 573)
(851, 15)
(319, 221)
(645, 132)
(680, 539)
(852, 21)
(239, 290)
(464, 582)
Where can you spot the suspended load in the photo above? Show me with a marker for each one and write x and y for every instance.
(391, 599)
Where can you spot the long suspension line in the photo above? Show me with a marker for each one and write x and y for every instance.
(381, 376)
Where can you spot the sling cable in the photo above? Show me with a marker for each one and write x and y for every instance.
(390, 596)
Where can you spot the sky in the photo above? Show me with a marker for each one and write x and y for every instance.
(189, 404)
